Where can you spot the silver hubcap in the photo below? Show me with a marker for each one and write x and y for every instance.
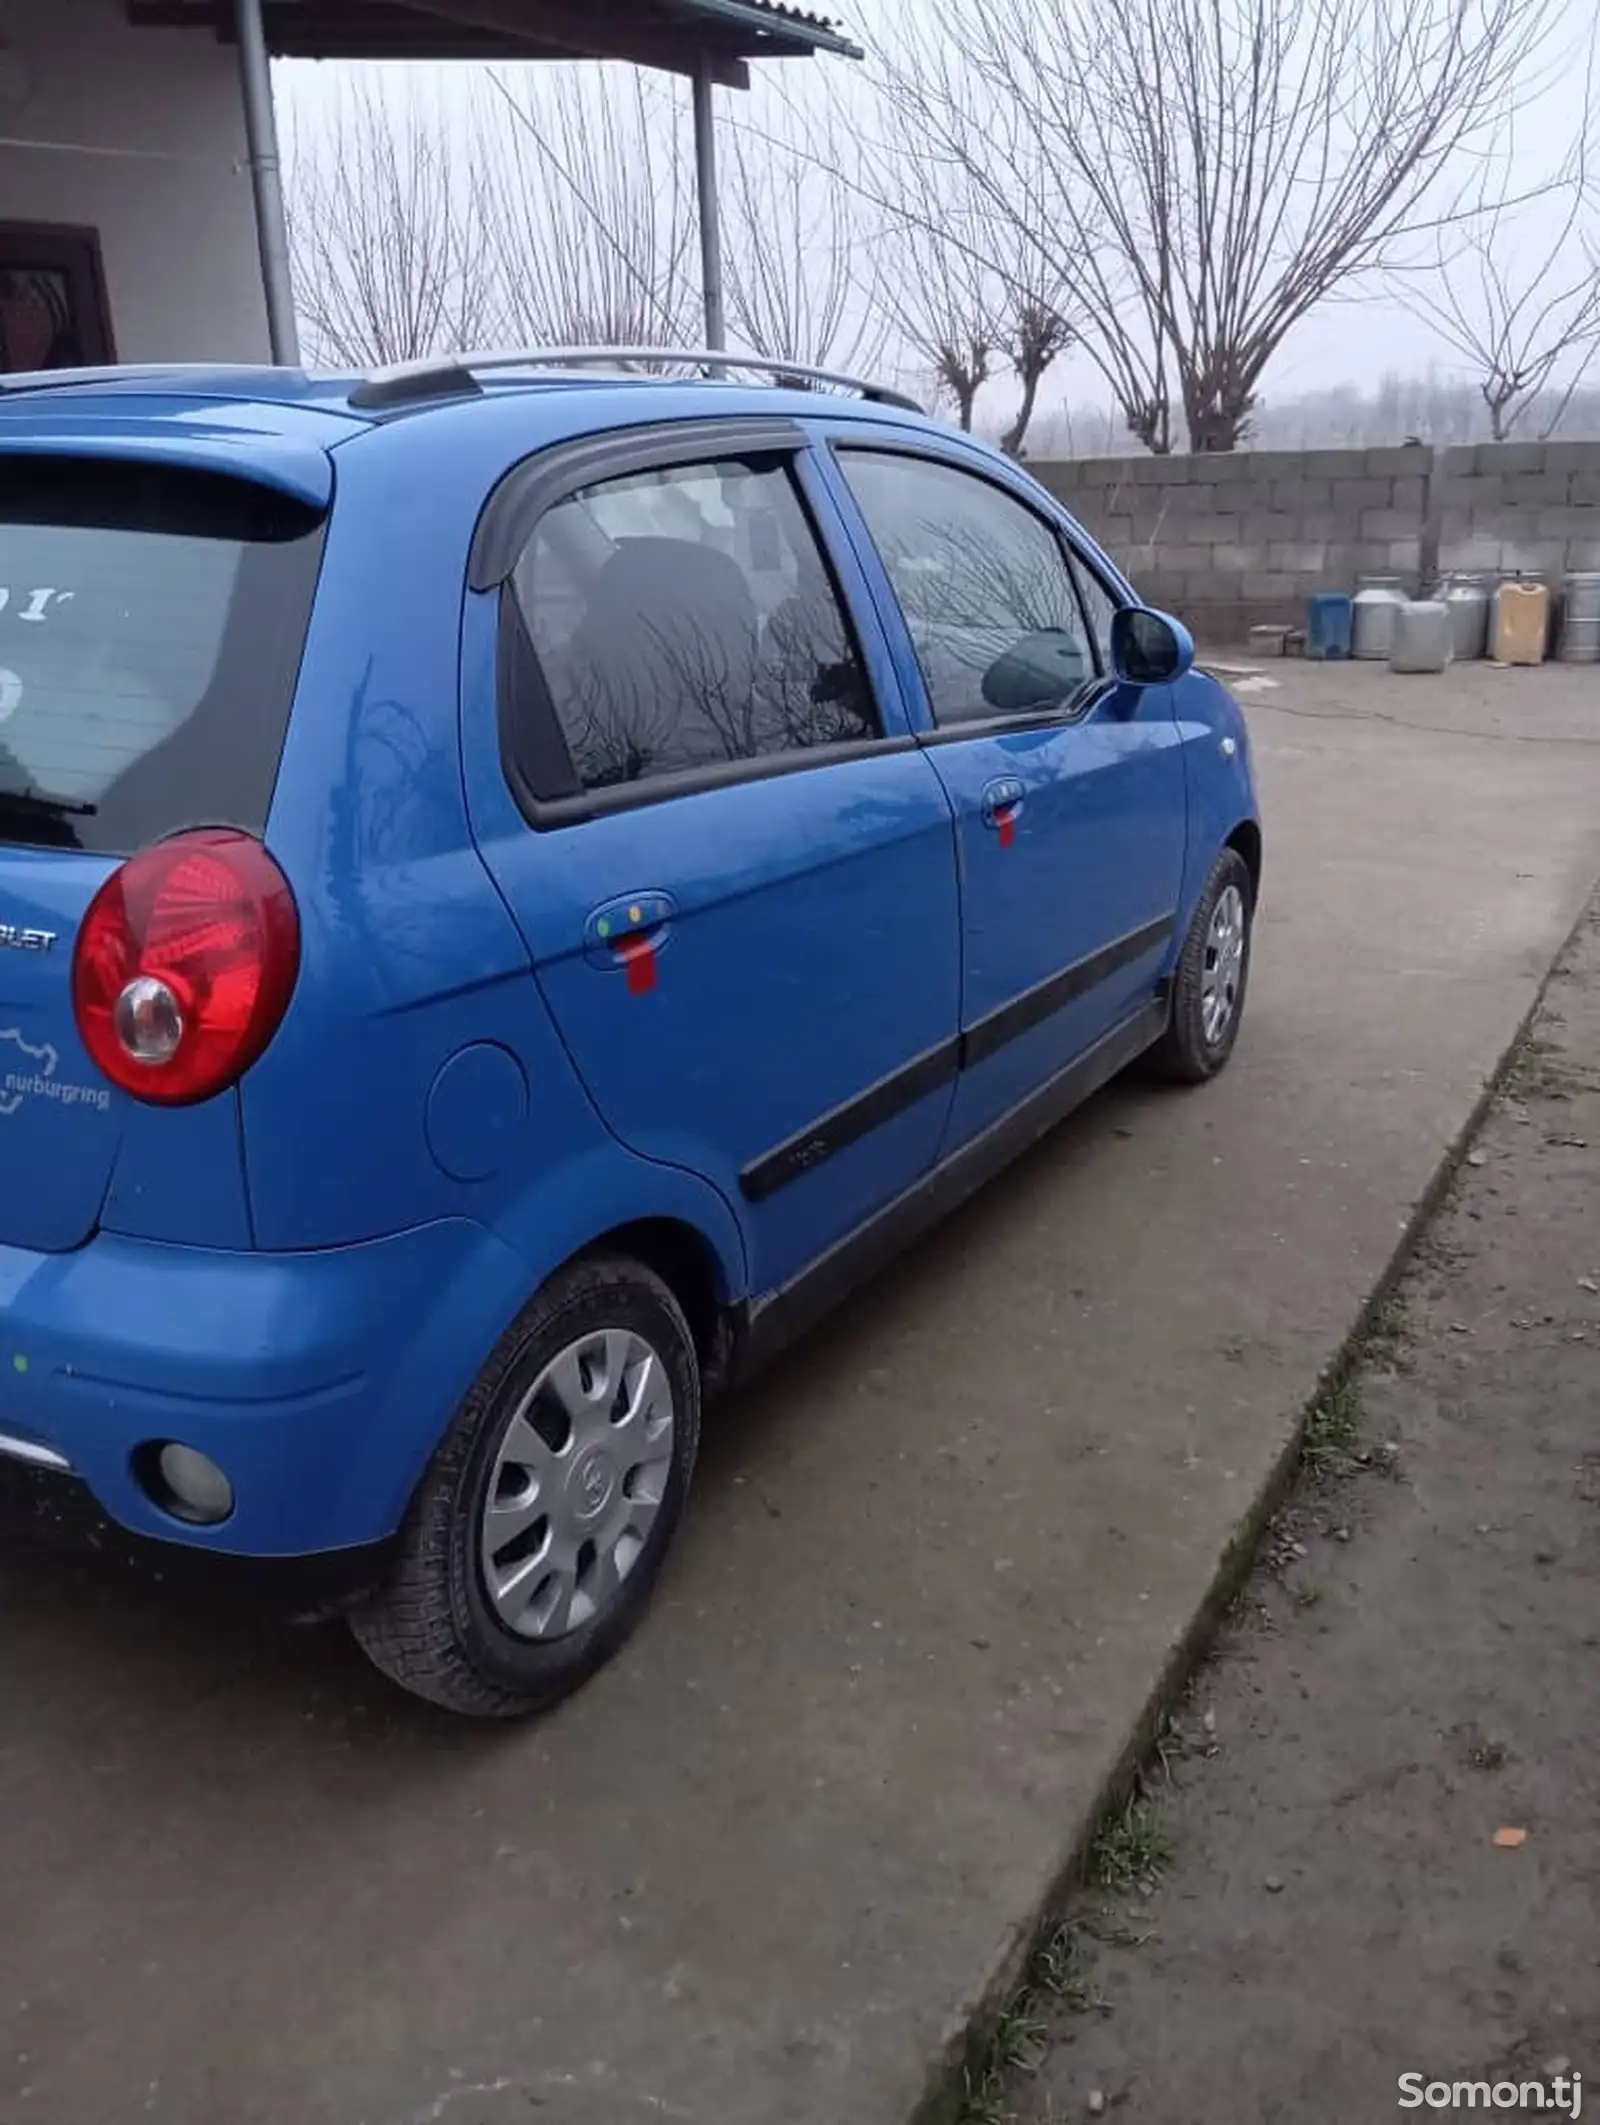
(1224, 964)
(577, 1483)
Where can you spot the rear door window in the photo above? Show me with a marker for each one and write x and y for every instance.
(152, 620)
(685, 619)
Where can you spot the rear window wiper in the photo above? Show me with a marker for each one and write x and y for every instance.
(38, 800)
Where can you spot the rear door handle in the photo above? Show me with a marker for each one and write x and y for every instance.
(1002, 801)
(627, 933)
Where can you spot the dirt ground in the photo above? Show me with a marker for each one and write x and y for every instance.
(1312, 1900)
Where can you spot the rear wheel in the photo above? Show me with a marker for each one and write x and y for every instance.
(533, 1541)
(1208, 984)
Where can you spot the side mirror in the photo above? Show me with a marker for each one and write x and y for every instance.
(1149, 648)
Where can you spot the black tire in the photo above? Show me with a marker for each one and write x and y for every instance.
(1185, 1055)
(433, 1627)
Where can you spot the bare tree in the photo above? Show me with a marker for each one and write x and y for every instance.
(390, 258)
(1515, 293)
(945, 305)
(795, 240)
(584, 187)
(1202, 179)
(971, 291)
(1037, 333)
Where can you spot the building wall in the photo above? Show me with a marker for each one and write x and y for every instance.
(1231, 541)
(173, 206)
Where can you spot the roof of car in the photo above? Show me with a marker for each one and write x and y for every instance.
(280, 424)
(282, 398)
(284, 427)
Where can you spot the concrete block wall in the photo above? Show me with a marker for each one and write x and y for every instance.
(1530, 506)
(1232, 541)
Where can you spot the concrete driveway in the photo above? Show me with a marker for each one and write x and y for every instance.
(760, 1873)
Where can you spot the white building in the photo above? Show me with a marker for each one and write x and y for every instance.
(140, 217)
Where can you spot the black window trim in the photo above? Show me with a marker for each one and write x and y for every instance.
(533, 746)
(1089, 694)
(532, 488)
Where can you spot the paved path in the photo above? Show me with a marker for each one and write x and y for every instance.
(759, 1873)
(1411, 1677)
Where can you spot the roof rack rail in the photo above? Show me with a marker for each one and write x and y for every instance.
(456, 375)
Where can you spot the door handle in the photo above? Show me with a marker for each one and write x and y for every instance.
(1002, 801)
(626, 934)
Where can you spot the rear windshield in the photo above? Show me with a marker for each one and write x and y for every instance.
(151, 624)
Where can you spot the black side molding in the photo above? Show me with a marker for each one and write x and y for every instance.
(926, 1073)
(776, 1319)
(987, 1036)
(856, 1118)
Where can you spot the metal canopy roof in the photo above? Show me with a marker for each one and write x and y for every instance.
(670, 34)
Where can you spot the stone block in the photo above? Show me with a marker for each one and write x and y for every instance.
(1343, 525)
(1269, 583)
(1266, 524)
(1469, 551)
(1583, 488)
(1572, 457)
(1509, 457)
(1166, 471)
(1239, 559)
(1534, 490)
(1195, 499)
(1298, 557)
(1458, 462)
(1181, 559)
(1299, 494)
(1411, 491)
(1228, 468)
(1563, 523)
(1390, 524)
(1363, 493)
(1398, 459)
(1213, 530)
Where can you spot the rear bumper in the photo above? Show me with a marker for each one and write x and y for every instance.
(319, 1382)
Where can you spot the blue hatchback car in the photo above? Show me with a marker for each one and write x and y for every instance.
(518, 887)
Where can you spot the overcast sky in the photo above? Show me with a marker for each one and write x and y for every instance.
(1346, 341)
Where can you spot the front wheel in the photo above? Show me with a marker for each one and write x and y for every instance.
(535, 1537)
(1208, 984)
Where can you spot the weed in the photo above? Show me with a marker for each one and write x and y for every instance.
(1019, 2039)
(1131, 1850)
(1017, 2046)
(983, 2100)
(1332, 1429)
(1063, 1970)
(1305, 1593)
(1388, 1326)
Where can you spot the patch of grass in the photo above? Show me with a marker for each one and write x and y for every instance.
(1333, 1429)
(1063, 1969)
(1305, 1593)
(1130, 1851)
(1020, 2038)
(1389, 1325)
(984, 2100)
(1017, 2046)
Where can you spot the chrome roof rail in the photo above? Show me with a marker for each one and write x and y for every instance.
(456, 375)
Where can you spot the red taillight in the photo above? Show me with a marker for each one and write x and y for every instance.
(184, 964)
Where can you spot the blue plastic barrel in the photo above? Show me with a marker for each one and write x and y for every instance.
(1329, 620)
